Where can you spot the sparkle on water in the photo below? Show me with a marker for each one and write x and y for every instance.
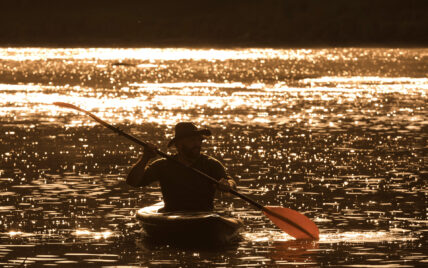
(337, 134)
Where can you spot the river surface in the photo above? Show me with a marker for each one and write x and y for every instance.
(337, 134)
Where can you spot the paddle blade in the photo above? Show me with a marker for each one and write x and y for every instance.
(292, 222)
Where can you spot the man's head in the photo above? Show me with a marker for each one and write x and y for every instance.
(188, 139)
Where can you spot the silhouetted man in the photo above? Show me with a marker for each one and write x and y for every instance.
(183, 189)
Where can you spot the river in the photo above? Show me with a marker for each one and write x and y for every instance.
(338, 134)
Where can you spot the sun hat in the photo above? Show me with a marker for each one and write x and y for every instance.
(187, 129)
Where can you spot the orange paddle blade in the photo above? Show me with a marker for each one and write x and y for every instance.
(292, 222)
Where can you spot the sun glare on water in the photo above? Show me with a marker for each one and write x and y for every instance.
(95, 235)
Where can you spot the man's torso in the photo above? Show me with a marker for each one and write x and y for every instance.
(182, 188)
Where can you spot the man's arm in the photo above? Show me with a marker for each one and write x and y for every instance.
(136, 175)
(220, 173)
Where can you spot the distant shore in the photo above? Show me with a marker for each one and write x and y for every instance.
(219, 24)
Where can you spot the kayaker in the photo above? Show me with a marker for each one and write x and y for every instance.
(183, 189)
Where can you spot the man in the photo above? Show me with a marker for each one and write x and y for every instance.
(183, 189)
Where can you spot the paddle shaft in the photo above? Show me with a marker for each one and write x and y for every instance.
(169, 157)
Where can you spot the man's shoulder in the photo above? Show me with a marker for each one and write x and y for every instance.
(161, 162)
(211, 160)
(213, 167)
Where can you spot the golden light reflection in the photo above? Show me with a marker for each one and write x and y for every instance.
(359, 237)
(91, 234)
(344, 237)
(156, 100)
(15, 233)
(187, 85)
(22, 54)
(268, 236)
(367, 80)
(126, 99)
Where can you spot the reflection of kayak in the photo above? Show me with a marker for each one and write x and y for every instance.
(187, 227)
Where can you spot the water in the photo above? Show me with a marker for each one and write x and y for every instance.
(337, 134)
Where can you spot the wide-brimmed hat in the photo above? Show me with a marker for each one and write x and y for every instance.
(187, 129)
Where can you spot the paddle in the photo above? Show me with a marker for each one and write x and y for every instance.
(290, 221)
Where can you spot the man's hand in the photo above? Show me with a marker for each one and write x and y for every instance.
(226, 185)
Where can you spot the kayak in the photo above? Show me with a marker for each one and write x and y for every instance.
(187, 227)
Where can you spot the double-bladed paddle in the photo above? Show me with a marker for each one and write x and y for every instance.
(290, 221)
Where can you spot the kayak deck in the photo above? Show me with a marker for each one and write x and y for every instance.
(187, 227)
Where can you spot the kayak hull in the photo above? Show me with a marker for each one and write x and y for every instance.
(188, 228)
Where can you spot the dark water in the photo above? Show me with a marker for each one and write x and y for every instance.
(337, 134)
